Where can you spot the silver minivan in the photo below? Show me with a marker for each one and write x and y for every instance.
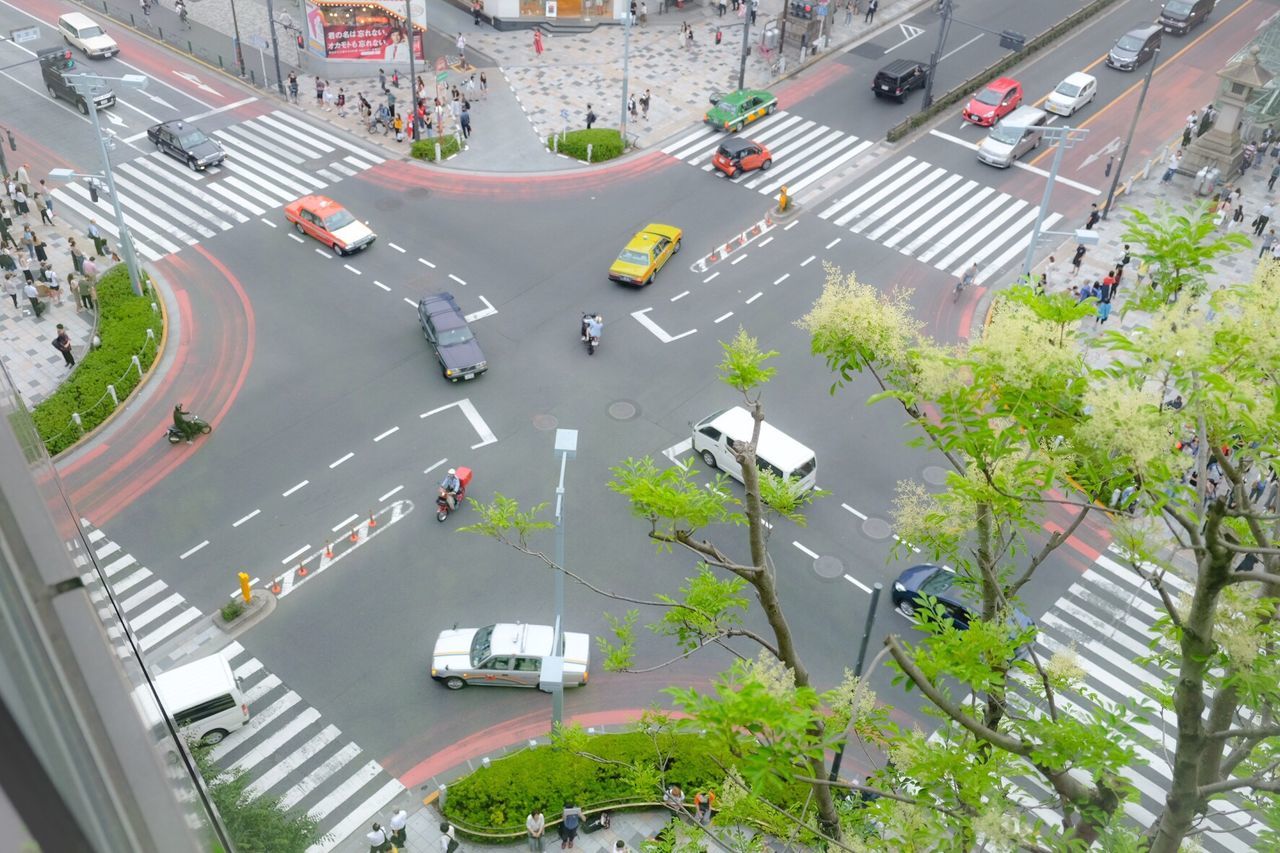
(1015, 135)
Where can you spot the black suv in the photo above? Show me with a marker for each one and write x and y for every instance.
(898, 78)
(447, 331)
(187, 143)
(56, 63)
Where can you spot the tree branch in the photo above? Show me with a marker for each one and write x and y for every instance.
(1262, 732)
(1052, 545)
(1261, 781)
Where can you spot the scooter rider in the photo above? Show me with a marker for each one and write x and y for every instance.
(594, 326)
(449, 488)
(181, 423)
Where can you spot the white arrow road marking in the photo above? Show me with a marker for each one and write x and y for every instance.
(657, 330)
(908, 33)
(487, 311)
(191, 78)
(113, 118)
(477, 423)
(1110, 148)
(157, 99)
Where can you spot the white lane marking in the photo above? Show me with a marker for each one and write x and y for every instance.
(236, 594)
(326, 255)
(859, 584)
(383, 286)
(833, 242)
(214, 112)
(191, 551)
(293, 761)
(247, 517)
(391, 431)
(126, 560)
(737, 260)
(390, 493)
(792, 225)
(151, 614)
(708, 278)
(397, 248)
(905, 542)
(169, 628)
(754, 298)
(343, 524)
(487, 311)
(329, 768)
(338, 462)
(108, 549)
(410, 302)
(657, 330)
(805, 550)
(346, 790)
(766, 241)
(782, 278)
(298, 553)
(436, 465)
(854, 511)
(267, 222)
(807, 261)
(458, 280)
(360, 815)
(153, 588)
(477, 423)
(353, 269)
(426, 262)
(678, 450)
(679, 296)
(294, 489)
(278, 739)
(724, 317)
(260, 720)
(1026, 167)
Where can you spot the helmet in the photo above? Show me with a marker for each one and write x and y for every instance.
(451, 471)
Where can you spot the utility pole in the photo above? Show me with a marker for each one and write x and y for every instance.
(275, 46)
(1064, 137)
(626, 60)
(1133, 126)
(936, 56)
(746, 45)
(413, 91)
(857, 669)
(235, 26)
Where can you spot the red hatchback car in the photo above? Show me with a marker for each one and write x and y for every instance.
(737, 155)
(993, 103)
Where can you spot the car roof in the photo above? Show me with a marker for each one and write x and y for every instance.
(441, 307)
(1079, 78)
(1144, 29)
(78, 19)
(318, 204)
(1003, 83)
(734, 144)
(512, 638)
(177, 125)
(901, 66)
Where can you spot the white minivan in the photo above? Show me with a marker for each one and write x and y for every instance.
(777, 452)
(203, 697)
(81, 31)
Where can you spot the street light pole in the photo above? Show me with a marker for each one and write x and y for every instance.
(936, 56)
(626, 60)
(1133, 126)
(275, 46)
(857, 669)
(235, 27)
(413, 96)
(566, 448)
(746, 46)
(1065, 137)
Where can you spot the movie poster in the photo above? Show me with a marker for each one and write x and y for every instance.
(343, 30)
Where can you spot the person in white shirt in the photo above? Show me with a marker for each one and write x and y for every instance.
(378, 839)
(399, 820)
(536, 824)
(448, 842)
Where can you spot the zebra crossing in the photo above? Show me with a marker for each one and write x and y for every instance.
(938, 217)
(287, 749)
(1107, 618)
(271, 160)
(803, 152)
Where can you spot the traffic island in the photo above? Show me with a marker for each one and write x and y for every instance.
(238, 616)
(785, 210)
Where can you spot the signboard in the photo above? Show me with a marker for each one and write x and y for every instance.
(25, 35)
(442, 64)
(442, 76)
(365, 30)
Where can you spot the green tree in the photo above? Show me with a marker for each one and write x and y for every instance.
(256, 824)
(1179, 247)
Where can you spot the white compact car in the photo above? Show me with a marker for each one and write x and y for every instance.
(1072, 94)
(87, 35)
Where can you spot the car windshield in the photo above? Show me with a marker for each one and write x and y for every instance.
(1070, 90)
(453, 337)
(337, 220)
(91, 32)
(480, 645)
(192, 138)
(938, 583)
(631, 256)
(1006, 134)
(989, 96)
(1129, 43)
(1178, 7)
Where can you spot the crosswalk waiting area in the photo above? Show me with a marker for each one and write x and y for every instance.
(287, 749)
(271, 160)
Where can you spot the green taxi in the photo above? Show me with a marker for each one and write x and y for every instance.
(733, 111)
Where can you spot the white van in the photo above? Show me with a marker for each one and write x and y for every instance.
(81, 31)
(203, 697)
(1016, 134)
(777, 452)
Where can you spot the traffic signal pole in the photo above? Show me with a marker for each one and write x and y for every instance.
(275, 46)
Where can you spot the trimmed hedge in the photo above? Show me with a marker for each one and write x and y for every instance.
(606, 144)
(425, 149)
(123, 321)
(500, 796)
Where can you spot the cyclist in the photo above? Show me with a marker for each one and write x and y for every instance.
(967, 279)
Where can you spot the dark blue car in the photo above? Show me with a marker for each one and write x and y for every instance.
(959, 599)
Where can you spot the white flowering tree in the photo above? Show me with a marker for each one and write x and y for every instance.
(1024, 423)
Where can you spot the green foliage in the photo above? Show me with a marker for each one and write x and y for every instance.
(1179, 248)
(671, 499)
(743, 366)
(231, 610)
(425, 148)
(123, 321)
(708, 605)
(505, 521)
(606, 144)
(256, 824)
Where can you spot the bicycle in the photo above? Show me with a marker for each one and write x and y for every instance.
(379, 120)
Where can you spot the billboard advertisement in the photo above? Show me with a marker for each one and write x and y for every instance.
(373, 31)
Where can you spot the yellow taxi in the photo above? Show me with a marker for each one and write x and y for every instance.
(645, 254)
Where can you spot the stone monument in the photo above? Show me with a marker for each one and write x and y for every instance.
(1221, 146)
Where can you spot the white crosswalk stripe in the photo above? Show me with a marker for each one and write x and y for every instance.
(287, 749)
(937, 217)
(271, 160)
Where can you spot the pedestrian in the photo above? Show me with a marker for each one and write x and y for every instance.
(1077, 260)
(62, 343)
(848, 12)
(54, 283)
(644, 104)
(379, 840)
(475, 12)
(591, 117)
(570, 820)
(399, 820)
(1275, 173)
(471, 87)
(293, 86)
(328, 98)
(537, 41)
(1051, 271)
(462, 49)
(382, 80)
(20, 202)
(1207, 120)
(25, 266)
(99, 239)
(535, 824)
(42, 250)
(1104, 303)
(631, 106)
(1237, 217)
(1125, 257)
(1175, 160)
(1267, 242)
(342, 102)
(395, 78)
(644, 13)
(1263, 217)
(73, 287)
(1116, 275)
(872, 6)
(1248, 155)
(721, 6)
(24, 178)
(755, 7)
(397, 124)
(619, 846)
(673, 798)
(484, 86)
(33, 296)
(703, 803)
(48, 199)
(319, 93)
(11, 287)
(1193, 121)
(28, 239)
(448, 840)
(89, 269)
(1094, 216)
(391, 102)
(464, 119)
(92, 297)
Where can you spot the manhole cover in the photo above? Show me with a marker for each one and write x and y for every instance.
(829, 568)
(877, 528)
(545, 422)
(623, 410)
(935, 475)
(416, 192)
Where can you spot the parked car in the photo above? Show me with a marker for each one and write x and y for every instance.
(1072, 93)
(646, 253)
(959, 600)
(455, 345)
(898, 78)
(506, 655)
(1135, 47)
(739, 108)
(737, 155)
(187, 143)
(85, 34)
(994, 102)
(324, 219)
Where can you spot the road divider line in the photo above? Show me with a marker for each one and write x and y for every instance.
(338, 462)
(328, 256)
(792, 225)
(766, 241)
(410, 302)
(477, 423)
(738, 259)
(905, 542)
(715, 274)
(808, 260)
(782, 278)
(298, 553)
(343, 524)
(216, 110)
(805, 550)
(458, 280)
(247, 517)
(426, 263)
(352, 269)
(854, 511)
(759, 293)
(392, 431)
(679, 296)
(294, 489)
(724, 317)
(397, 248)
(267, 222)
(394, 491)
(293, 236)
(859, 584)
(658, 332)
(383, 286)
(833, 242)
(1027, 167)
(435, 465)
(191, 551)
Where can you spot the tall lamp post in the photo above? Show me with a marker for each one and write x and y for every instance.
(551, 678)
(626, 60)
(857, 668)
(88, 85)
(235, 44)
(413, 97)
(1064, 137)
(1133, 126)
(746, 45)
(275, 46)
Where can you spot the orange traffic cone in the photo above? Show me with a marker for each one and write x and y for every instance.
(373, 522)
(275, 587)
(328, 549)
(302, 570)
(355, 537)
